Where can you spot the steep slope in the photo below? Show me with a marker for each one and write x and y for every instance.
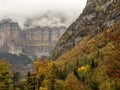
(93, 64)
(95, 61)
(90, 49)
(97, 15)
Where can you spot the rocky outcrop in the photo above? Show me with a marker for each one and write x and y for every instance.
(9, 33)
(97, 15)
(33, 42)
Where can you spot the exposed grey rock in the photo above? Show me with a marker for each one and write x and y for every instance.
(97, 15)
(78, 39)
(33, 42)
(90, 16)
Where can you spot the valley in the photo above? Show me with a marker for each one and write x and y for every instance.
(84, 56)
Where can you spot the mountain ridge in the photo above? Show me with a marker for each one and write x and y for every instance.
(96, 16)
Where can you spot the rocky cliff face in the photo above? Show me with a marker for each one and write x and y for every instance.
(9, 33)
(40, 41)
(97, 15)
(33, 42)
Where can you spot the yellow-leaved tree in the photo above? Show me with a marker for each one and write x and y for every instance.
(5, 74)
(41, 71)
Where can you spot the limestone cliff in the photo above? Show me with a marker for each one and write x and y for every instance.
(33, 42)
(9, 33)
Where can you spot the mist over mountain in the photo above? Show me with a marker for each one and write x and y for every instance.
(29, 13)
(50, 19)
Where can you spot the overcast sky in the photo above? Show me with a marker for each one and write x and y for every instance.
(22, 10)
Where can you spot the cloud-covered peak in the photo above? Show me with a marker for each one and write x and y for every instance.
(28, 10)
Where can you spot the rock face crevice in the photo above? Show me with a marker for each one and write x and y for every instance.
(33, 42)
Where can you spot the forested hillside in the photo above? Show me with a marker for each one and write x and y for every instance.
(93, 64)
(19, 63)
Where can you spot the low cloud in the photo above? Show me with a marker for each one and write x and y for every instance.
(41, 12)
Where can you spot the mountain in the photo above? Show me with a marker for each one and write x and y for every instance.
(87, 57)
(97, 15)
(33, 42)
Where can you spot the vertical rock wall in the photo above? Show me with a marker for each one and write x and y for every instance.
(34, 42)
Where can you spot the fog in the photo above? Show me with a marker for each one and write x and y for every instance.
(41, 12)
